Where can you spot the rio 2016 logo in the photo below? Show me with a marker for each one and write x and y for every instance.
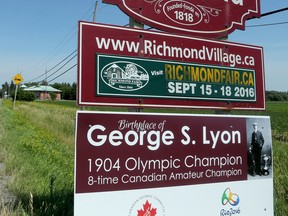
(229, 197)
(125, 76)
(233, 199)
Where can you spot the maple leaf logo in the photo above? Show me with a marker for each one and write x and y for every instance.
(147, 210)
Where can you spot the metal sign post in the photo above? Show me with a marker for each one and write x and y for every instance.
(14, 102)
(17, 79)
(135, 24)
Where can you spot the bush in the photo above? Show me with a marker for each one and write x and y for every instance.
(276, 96)
(53, 95)
(23, 95)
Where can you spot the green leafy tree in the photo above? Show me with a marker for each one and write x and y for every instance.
(11, 87)
(68, 90)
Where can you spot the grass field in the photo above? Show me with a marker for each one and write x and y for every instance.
(37, 146)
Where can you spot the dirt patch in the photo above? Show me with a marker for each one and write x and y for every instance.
(6, 198)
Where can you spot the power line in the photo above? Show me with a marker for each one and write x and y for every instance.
(268, 24)
(274, 12)
(62, 61)
(54, 66)
(61, 44)
(37, 77)
(63, 73)
(62, 66)
(268, 14)
(64, 42)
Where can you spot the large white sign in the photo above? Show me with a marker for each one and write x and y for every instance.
(141, 164)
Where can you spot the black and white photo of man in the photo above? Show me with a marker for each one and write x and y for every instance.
(257, 142)
(259, 147)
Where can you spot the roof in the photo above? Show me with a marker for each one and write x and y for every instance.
(42, 88)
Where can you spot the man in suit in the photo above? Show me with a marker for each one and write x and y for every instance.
(257, 142)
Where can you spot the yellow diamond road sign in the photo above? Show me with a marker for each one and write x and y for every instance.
(17, 79)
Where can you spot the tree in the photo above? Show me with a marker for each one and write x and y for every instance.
(5, 89)
(276, 96)
(44, 82)
(32, 84)
(12, 87)
(68, 90)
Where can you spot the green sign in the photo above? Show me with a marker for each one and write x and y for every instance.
(151, 78)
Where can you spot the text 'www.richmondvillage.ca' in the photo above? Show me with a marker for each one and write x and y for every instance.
(153, 48)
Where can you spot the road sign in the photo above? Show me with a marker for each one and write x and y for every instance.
(212, 19)
(121, 66)
(17, 79)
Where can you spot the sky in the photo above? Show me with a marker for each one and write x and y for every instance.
(36, 35)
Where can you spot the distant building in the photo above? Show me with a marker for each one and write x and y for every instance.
(43, 92)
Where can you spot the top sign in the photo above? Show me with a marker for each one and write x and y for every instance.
(134, 67)
(17, 79)
(212, 19)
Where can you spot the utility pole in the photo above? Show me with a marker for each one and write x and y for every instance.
(45, 96)
(95, 10)
(135, 24)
